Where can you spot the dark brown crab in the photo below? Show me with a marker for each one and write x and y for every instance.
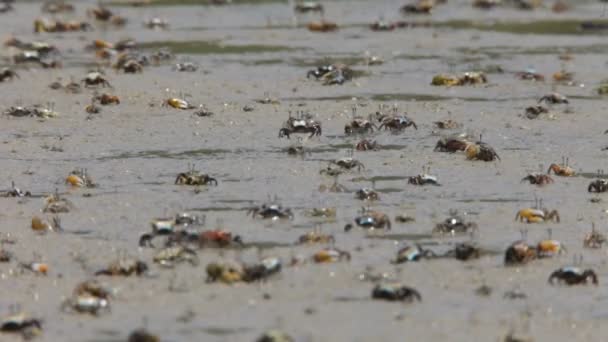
(15, 192)
(94, 79)
(452, 144)
(270, 211)
(454, 224)
(371, 219)
(300, 125)
(194, 177)
(519, 252)
(366, 194)
(573, 276)
(396, 292)
(395, 122)
(539, 179)
(348, 163)
(554, 98)
(598, 185)
(366, 145)
(124, 266)
(481, 151)
(7, 74)
(412, 253)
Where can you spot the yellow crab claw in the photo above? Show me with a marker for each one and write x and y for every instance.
(550, 246)
(39, 225)
(178, 103)
(74, 180)
(471, 151)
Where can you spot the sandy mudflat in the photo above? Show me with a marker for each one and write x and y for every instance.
(134, 150)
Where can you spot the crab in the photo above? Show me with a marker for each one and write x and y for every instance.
(464, 251)
(185, 67)
(171, 255)
(178, 103)
(7, 74)
(194, 177)
(315, 236)
(19, 111)
(411, 253)
(86, 303)
(563, 169)
(329, 255)
(381, 25)
(100, 13)
(548, 248)
(322, 26)
(359, 125)
(331, 73)
(533, 112)
(535, 215)
(454, 224)
(218, 238)
(106, 99)
(366, 145)
(156, 23)
(418, 7)
(481, 151)
(80, 178)
(331, 171)
(467, 78)
(519, 252)
(308, 6)
(41, 226)
(326, 212)
(423, 179)
(371, 219)
(367, 194)
(15, 192)
(334, 187)
(300, 125)
(539, 179)
(554, 98)
(57, 6)
(348, 163)
(55, 204)
(124, 266)
(396, 292)
(28, 326)
(395, 122)
(598, 185)
(529, 75)
(594, 239)
(451, 144)
(227, 273)
(262, 270)
(271, 211)
(447, 124)
(132, 66)
(573, 276)
(95, 78)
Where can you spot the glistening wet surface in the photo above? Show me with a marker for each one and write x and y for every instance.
(252, 50)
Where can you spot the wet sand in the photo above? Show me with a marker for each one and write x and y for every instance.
(134, 150)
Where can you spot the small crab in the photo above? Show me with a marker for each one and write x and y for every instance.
(371, 219)
(124, 266)
(41, 226)
(194, 177)
(418, 7)
(178, 103)
(366, 194)
(481, 151)
(171, 255)
(533, 112)
(86, 303)
(322, 26)
(19, 111)
(396, 122)
(529, 75)
(554, 98)
(424, 178)
(359, 126)
(100, 13)
(315, 236)
(7, 74)
(454, 224)
(451, 144)
(132, 66)
(156, 23)
(562, 170)
(519, 252)
(534, 215)
(95, 78)
(539, 179)
(80, 178)
(381, 25)
(106, 99)
(464, 251)
(348, 163)
(594, 239)
(327, 212)
(271, 211)
(218, 238)
(300, 125)
(411, 253)
(366, 145)
(21, 323)
(185, 67)
(548, 248)
(225, 272)
(38, 268)
(573, 276)
(447, 124)
(598, 185)
(396, 292)
(329, 255)
(308, 6)
(262, 270)
(15, 192)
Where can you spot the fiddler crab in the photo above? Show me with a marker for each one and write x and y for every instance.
(594, 239)
(573, 276)
(322, 26)
(562, 169)
(424, 178)
(80, 178)
(302, 124)
(106, 99)
(539, 179)
(15, 192)
(38, 225)
(381, 25)
(57, 6)
(519, 252)
(7, 74)
(396, 292)
(308, 6)
(598, 185)
(348, 163)
(329, 255)
(371, 219)
(95, 78)
(170, 227)
(447, 124)
(533, 112)
(230, 273)
(332, 74)
(22, 323)
(481, 151)
(395, 122)
(468, 78)
(554, 98)
(454, 224)
(452, 144)
(334, 187)
(178, 103)
(89, 297)
(156, 23)
(194, 177)
(35, 267)
(464, 251)
(185, 67)
(171, 255)
(359, 125)
(132, 66)
(418, 7)
(366, 194)
(411, 253)
(270, 211)
(327, 212)
(529, 75)
(535, 215)
(315, 236)
(366, 145)
(124, 266)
